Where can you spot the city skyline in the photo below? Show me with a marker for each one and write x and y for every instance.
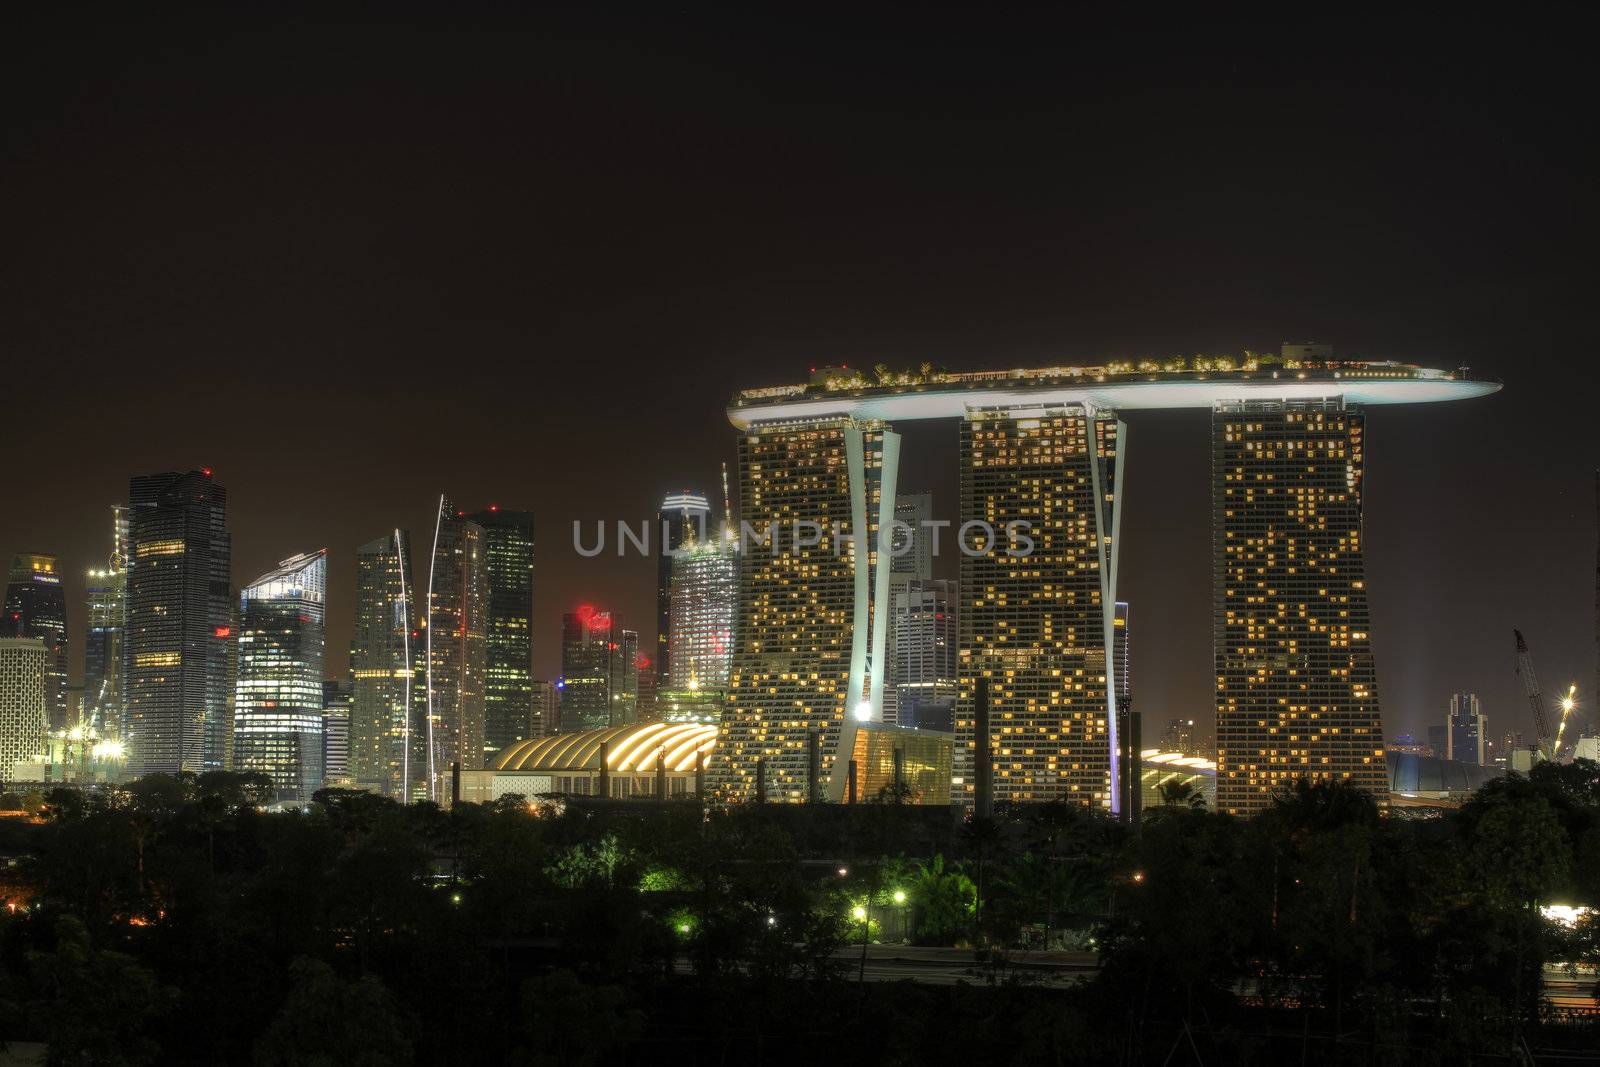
(828, 236)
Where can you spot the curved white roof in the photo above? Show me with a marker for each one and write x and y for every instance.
(951, 396)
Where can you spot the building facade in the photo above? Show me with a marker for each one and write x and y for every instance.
(24, 714)
(456, 647)
(508, 577)
(1466, 730)
(1296, 684)
(546, 709)
(809, 650)
(36, 607)
(923, 640)
(278, 702)
(106, 592)
(703, 586)
(1037, 605)
(683, 517)
(177, 684)
(337, 698)
(384, 655)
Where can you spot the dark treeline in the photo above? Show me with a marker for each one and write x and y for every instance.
(173, 920)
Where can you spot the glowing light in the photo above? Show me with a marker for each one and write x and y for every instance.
(859, 913)
(1565, 914)
(1138, 876)
(843, 871)
(224, 631)
(864, 711)
(899, 896)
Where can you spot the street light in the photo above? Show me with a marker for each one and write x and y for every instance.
(859, 913)
(899, 896)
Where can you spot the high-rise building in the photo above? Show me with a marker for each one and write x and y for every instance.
(36, 607)
(703, 587)
(625, 661)
(1181, 737)
(1466, 730)
(912, 541)
(1037, 619)
(923, 638)
(546, 709)
(107, 595)
(1296, 686)
(508, 576)
(385, 654)
(179, 624)
(277, 718)
(457, 648)
(588, 643)
(336, 702)
(684, 517)
(809, 651)
(24, 719)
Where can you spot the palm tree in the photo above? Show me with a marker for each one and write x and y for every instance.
(1177, 793)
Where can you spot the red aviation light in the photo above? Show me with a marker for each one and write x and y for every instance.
(494, 507)
(585, 613)
(206, 471)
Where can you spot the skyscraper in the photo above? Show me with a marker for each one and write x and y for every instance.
(456, 646)
(546, 709)
(384, 655)
(179, 624)
(703, 588)
(107, 594)
(24, 662)
(911, 559)
(278, 707)
(809, 651)
(588, 677)
(684, 516)
(1466, 731)
(508, 575)
(625, 678)
(336, 702)
(924, 639)
(36, 607)
(1296, 686)
(1037, 619)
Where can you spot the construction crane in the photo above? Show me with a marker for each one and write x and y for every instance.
(1530, 686)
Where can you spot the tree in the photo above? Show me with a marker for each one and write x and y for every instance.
(943, 900)
(1176, 793)
(329, 1021)
(94, 1006)
(565, 1023)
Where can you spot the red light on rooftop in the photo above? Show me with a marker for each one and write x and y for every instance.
(494, 507)
(206, 471)
(224, 631)
(641, 661)
(585, 613)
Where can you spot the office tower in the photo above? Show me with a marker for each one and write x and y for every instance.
(1180, 736)
(684, 516)
(924, 639)
(337, 698)
(456, 647)
(649, 699)
(107, 595)
(385, 653)
(546, 709)
(912, 540)
(24, 717)
(1122, 665)
(624, 660)
(1466, 730)
(703, 587)
(809, 651)
(277, 718)
(508, 577)
(1296, 686)
(36, 607)
(587, 644)
(1036, 620)
(179, 624)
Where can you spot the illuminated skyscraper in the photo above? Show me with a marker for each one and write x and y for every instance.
(704, 584)
(625, 678)
(1466, 731)
(23, 717)
(277, 717)
(809, 651)
(107, 595)
(912, 539)
(1037, 604)
(546, 709)
(508, 573)
(457, 653)
(36, 607)
(179, 629)
(1296, 686)
(589, 676)
(336, 700)
(684, 516)
(923, 638)
(384, 655)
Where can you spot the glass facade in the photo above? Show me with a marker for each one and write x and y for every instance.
(177, 684)
(1296, 685)
(705, 581)
(24, 718)
(36, 607)
(457, 649)
(336, 702)
(684, 517)
(384, 655)
(107, 594)
(278, 703)
(924, 641)
(1038, 623)
(508, 712)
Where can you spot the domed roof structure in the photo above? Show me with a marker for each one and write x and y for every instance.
(633, 748)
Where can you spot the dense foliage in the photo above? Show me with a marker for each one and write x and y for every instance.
(174, 920)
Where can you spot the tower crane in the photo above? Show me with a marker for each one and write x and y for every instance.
(1530, 686)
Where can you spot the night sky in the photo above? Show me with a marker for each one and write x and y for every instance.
(352, 266)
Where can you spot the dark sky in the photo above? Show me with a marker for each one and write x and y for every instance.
(350, 266)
